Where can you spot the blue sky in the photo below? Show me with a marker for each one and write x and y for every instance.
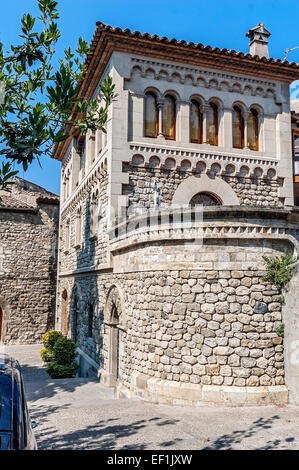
(221, 23)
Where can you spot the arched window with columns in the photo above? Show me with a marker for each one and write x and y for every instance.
(169, 117)
(151, 119)
(212, 123)
(196, 122)
(253, 130)
(238, 128)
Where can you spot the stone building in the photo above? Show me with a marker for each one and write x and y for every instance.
(168, 303)
(28, 262)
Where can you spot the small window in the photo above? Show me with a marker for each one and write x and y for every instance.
(212, 124)
(238, 128)
(195, 123)
(67, 235)
(79, 227)
(90, 321)
(206, 199)
(93, 214)
(169, 117)
(253, 130)
(99, 142)
(92, 146)
(151, 115)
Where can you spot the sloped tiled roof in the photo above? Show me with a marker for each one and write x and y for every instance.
(188, 45)
(9, 202)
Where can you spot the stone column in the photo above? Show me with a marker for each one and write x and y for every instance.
(160, 104)
(245, 116)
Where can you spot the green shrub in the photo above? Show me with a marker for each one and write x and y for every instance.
(49, 339)
(46, 355)
(61, 371)
(280, 330)
(64, 351)
(59, 353)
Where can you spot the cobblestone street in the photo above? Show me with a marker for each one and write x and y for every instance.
(82, 414)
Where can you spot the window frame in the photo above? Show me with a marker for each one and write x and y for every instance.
(254, 113)
(153, 94)
(173, 99)
(196, 103)
(215, 108)
(238, 109)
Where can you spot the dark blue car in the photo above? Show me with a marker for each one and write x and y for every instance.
(15, 423)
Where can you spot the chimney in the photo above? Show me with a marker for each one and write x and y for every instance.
(259, 40)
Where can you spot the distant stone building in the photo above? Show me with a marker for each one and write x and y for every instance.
(166, 306)
(28, 262)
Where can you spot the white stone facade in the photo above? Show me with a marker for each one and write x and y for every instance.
(162, 316)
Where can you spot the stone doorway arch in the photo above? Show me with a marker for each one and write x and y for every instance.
(115, 323)
(203, 183)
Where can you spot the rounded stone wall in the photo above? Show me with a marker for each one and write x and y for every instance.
(191, 320)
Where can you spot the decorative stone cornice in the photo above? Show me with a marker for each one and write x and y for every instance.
(107, 40)
(238, 222)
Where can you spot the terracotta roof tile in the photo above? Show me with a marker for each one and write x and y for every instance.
(137, 34)
(8, 202)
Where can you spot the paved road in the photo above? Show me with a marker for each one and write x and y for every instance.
(81, 414)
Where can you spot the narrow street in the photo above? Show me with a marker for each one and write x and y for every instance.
(82, 414)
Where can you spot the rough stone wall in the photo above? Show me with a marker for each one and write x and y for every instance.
(209, 327)
(260, 192)
(28, 272)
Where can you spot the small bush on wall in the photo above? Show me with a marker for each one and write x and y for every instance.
(279, 269)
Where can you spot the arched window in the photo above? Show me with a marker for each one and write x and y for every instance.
(206, 199)
(253, 130)
(79, 227)
(67, 235)
(92, 146)
(169, 117)
(212, 124)
(238, 128)
(195, 122)
(93, 214)
(151, 121)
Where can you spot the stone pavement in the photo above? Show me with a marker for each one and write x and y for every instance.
(82, 414)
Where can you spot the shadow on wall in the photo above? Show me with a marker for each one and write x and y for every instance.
(290, 317)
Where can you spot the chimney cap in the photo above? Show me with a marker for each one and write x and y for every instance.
(258, 30)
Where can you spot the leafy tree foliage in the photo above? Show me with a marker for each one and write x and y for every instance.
(38, 104)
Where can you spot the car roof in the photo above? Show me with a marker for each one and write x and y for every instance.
(8, 368)
(8, 362)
